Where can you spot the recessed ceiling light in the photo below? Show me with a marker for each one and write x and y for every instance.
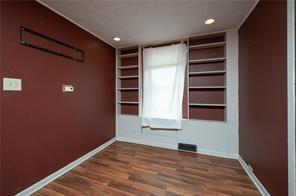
(116, 39)
(210, 21)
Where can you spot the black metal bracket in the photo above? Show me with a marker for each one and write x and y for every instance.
(22, 42)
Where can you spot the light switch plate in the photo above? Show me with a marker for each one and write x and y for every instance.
(12, 84)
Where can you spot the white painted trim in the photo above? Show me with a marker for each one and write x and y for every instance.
(187, 80)
(160, 42)
(165, 41)
(72, 21)
(117, 71)
(291, 95)
(140, 80)
(217, 154)
(211, 33)
(35, 187)
(247, 15)
(147, 143)
(174, 147)
(253, 177)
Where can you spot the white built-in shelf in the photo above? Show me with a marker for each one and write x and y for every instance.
(128, 55)
(207, 72)
(128, 67)
(210, 45)
(207, 104)
(128, 102)
(207, 87)
(207, 60)
(127, 89)
(128, 77)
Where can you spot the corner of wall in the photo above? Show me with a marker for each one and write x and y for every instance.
(253, 177)
(72, 21)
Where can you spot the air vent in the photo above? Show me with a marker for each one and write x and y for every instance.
(187, 147)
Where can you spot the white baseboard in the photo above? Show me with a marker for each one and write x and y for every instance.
(147, 143)
(63, 170)
(217, 154)
(174, 147)
(253, 177)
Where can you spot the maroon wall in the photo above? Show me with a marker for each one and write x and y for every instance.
(44, 129)
(263, 94)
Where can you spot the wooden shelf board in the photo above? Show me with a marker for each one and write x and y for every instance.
(207, 60)
(207, 87)
(207, 72)
(128, 55)
(128, 67)
(207, 104)
(128, 77)
(128, 102)
(207, 120)
(127, 89)
(210, 45)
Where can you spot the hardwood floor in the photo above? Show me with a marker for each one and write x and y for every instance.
(132, 169)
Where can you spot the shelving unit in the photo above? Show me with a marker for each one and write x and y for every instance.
(128, 72)
(128, 55)
(207, 104)
(210, 45)
(207, 77)
(128, 102)
(128, 77)
(129, 67)
(207, 60)
(205, 86)
(207, 72)
(127, 89)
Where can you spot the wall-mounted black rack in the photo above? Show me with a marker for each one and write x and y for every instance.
(79, 58)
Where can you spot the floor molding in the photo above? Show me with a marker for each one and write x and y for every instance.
(174, 147)
(217, 154)
(253, 177)
(63, 170)
(144, 142)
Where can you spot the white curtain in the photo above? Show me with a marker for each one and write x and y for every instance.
(163, 86)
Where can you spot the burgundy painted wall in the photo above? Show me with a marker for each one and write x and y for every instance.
(42, 128)
(263, 94)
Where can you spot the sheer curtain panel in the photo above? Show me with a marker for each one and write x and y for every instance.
(163, 86)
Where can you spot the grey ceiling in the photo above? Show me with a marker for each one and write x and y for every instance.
(147, 21)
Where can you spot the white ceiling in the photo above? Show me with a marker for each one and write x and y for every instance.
(148, 21)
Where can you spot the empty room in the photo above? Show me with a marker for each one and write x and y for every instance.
(147, 97)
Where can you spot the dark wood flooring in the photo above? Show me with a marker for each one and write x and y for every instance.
(132, 169)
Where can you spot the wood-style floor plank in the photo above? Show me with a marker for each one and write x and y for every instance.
(133, 169)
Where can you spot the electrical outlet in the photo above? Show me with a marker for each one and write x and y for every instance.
(67, 88)
(12, 84)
